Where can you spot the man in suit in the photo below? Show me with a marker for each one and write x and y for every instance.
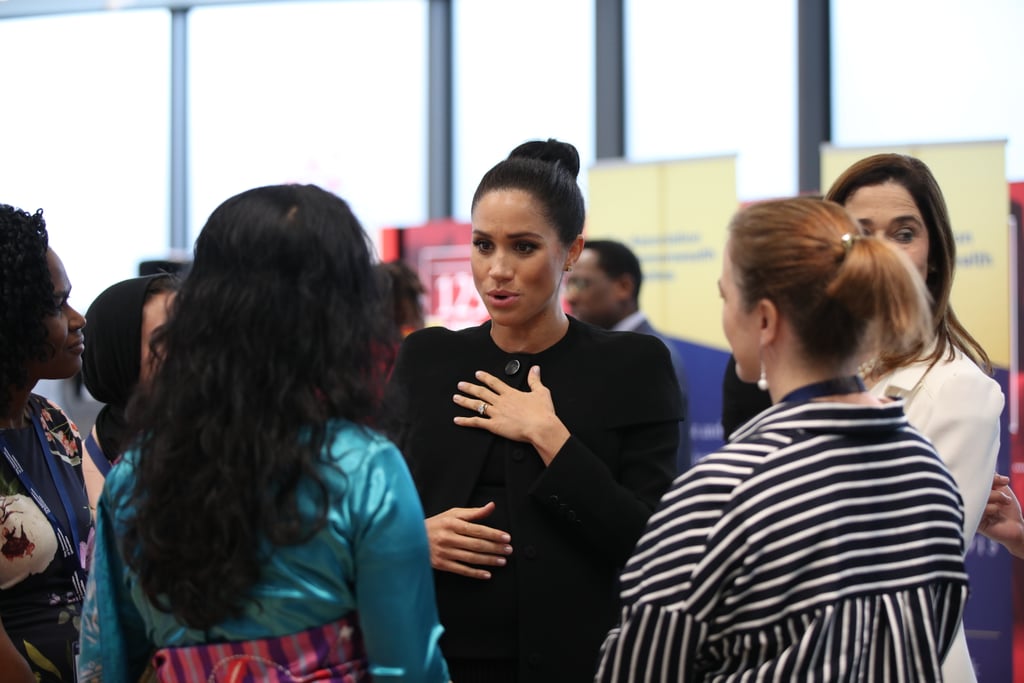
(603, 289)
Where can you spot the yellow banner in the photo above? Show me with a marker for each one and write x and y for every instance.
(972, 176)
(673, 215)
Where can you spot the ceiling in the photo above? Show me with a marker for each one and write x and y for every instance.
(30, 8)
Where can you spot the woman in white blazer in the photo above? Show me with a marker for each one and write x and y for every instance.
(947, 391)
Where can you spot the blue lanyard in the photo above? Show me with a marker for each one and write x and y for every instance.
(92, 447)
(830, 387)
(69, 547)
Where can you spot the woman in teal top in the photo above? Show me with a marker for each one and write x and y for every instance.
(374, 534)
(262, 526)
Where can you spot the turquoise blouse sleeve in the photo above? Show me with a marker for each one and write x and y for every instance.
(121, 653)
(394, 582)
(371, 557)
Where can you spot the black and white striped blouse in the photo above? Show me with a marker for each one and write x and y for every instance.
(823, 543)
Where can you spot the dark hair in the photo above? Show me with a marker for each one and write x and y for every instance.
(163, 282)
(914, 176)
(274, 332)
(833, 283)
(26, 296)
(402, 288)
(616, 260)
(547, 170)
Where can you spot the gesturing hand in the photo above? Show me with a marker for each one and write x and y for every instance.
(527, 416)
(1002, 520)
(456, 542)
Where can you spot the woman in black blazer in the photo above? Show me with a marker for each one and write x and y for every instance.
(539, 444)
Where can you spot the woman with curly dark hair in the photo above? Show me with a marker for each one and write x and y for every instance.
(405, 293)
(44, 516)
(260, 529)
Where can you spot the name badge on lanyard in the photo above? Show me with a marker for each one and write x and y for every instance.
(69, 544)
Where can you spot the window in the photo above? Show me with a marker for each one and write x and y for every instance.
(704, 79)
(896, 77)
(85, 121)
(522, 71)
(330, 93)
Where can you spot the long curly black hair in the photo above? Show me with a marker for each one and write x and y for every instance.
(276, 330)
(26, 296)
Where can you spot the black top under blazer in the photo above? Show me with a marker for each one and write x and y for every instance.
(573, 523)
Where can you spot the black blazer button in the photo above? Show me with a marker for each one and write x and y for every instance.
(530, 552)
(533, 660)
(553, 499)
(512, 367)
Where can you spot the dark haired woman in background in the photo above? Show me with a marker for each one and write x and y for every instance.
(118, 357)
(405, 293)
(944, 380)
(261, 530)
(823, 542)
(558, 441)
(42, 567)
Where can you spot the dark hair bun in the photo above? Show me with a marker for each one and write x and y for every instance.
(552, 151)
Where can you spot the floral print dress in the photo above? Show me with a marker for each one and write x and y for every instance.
(39, 604)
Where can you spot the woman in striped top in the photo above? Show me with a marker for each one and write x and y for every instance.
(823, 542)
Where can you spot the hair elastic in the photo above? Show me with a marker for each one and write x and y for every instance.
(847, 240)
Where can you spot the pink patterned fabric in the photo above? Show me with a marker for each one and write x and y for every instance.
(332, 653)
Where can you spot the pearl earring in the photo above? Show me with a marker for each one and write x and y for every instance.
(762, 383)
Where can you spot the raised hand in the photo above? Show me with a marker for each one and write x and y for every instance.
(527, 416)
